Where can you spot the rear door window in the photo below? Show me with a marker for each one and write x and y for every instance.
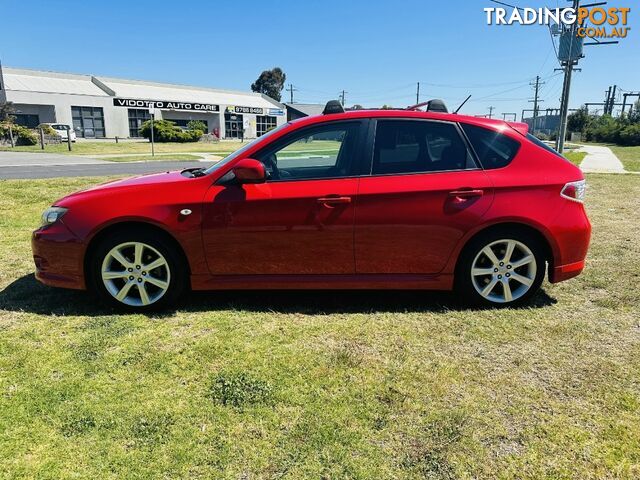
(410, 146)
(494, 149)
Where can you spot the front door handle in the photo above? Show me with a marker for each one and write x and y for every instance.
(330, 201)
(467, 193)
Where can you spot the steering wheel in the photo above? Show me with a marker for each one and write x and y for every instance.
(271, 163)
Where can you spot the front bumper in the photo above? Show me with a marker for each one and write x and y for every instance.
(58, 256)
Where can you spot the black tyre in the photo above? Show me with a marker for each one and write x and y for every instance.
(137, 270)
(501, 268)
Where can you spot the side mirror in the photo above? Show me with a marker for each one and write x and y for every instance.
(249, 170)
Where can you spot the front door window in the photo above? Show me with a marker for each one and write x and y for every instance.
(321, 152)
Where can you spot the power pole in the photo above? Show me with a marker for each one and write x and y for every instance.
(613, 100)
(536, 86)
(567, 66)
(418, 94)
(607, 100)
(491, 112)
(291, 89)
(342, 97)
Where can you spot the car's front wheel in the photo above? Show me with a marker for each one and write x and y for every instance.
(501, 269)
(137, 270)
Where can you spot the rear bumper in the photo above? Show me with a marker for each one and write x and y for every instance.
(58, 256)
(565, 272)
(573, 235)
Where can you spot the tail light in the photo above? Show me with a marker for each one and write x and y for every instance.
(574, 191)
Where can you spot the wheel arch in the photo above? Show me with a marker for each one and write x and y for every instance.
(509, 226)
(129, 225)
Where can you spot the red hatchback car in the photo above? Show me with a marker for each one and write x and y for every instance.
(375, 199)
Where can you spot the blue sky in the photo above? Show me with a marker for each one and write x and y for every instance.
(375, 50)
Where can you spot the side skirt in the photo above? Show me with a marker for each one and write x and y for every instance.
(322, 282)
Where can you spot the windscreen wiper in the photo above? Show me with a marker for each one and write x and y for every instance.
(193, 172)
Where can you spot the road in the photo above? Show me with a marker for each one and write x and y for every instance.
(18, 165)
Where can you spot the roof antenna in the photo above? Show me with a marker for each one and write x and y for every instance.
(465, 101)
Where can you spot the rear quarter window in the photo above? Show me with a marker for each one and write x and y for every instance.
(494, 149)
(541, 144)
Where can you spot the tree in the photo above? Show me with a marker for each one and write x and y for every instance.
(6, 112)
(270, 83)
(579, 120)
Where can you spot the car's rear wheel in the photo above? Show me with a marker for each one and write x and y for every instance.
(501, 269)
(137, 271)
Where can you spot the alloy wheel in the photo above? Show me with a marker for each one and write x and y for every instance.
(135, 274)
(503, 271)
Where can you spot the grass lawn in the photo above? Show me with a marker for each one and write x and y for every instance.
(629, 156)
(111, 147)
(575, 157)
(324, 384)
(149, 158)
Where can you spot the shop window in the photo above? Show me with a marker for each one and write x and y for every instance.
(27, 120)
(233, 125)
(264, 124)
(88, 122)
(137, 116)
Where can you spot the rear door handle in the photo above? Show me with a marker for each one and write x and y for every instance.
(470, 193)
(329, 201)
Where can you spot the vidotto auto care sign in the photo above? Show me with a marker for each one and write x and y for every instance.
(165, 105)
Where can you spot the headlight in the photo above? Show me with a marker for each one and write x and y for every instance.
(52, 215)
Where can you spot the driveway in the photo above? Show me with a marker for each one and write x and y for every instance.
(18, 165)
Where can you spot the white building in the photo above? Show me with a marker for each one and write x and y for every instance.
(100, 107)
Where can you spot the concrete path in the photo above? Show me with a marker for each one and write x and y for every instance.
(600, 160)
(26, 159)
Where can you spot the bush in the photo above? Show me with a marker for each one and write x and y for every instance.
(47, 129)
(541, 136)
(167, 131)
(604, 129)
(21, 135)
(25, 136)
(197, 125)
(630, 135)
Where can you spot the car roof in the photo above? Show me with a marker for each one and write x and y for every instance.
(492, 123)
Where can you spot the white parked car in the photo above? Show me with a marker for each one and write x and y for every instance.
(63, 130)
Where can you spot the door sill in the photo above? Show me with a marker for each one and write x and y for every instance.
(323, 282)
